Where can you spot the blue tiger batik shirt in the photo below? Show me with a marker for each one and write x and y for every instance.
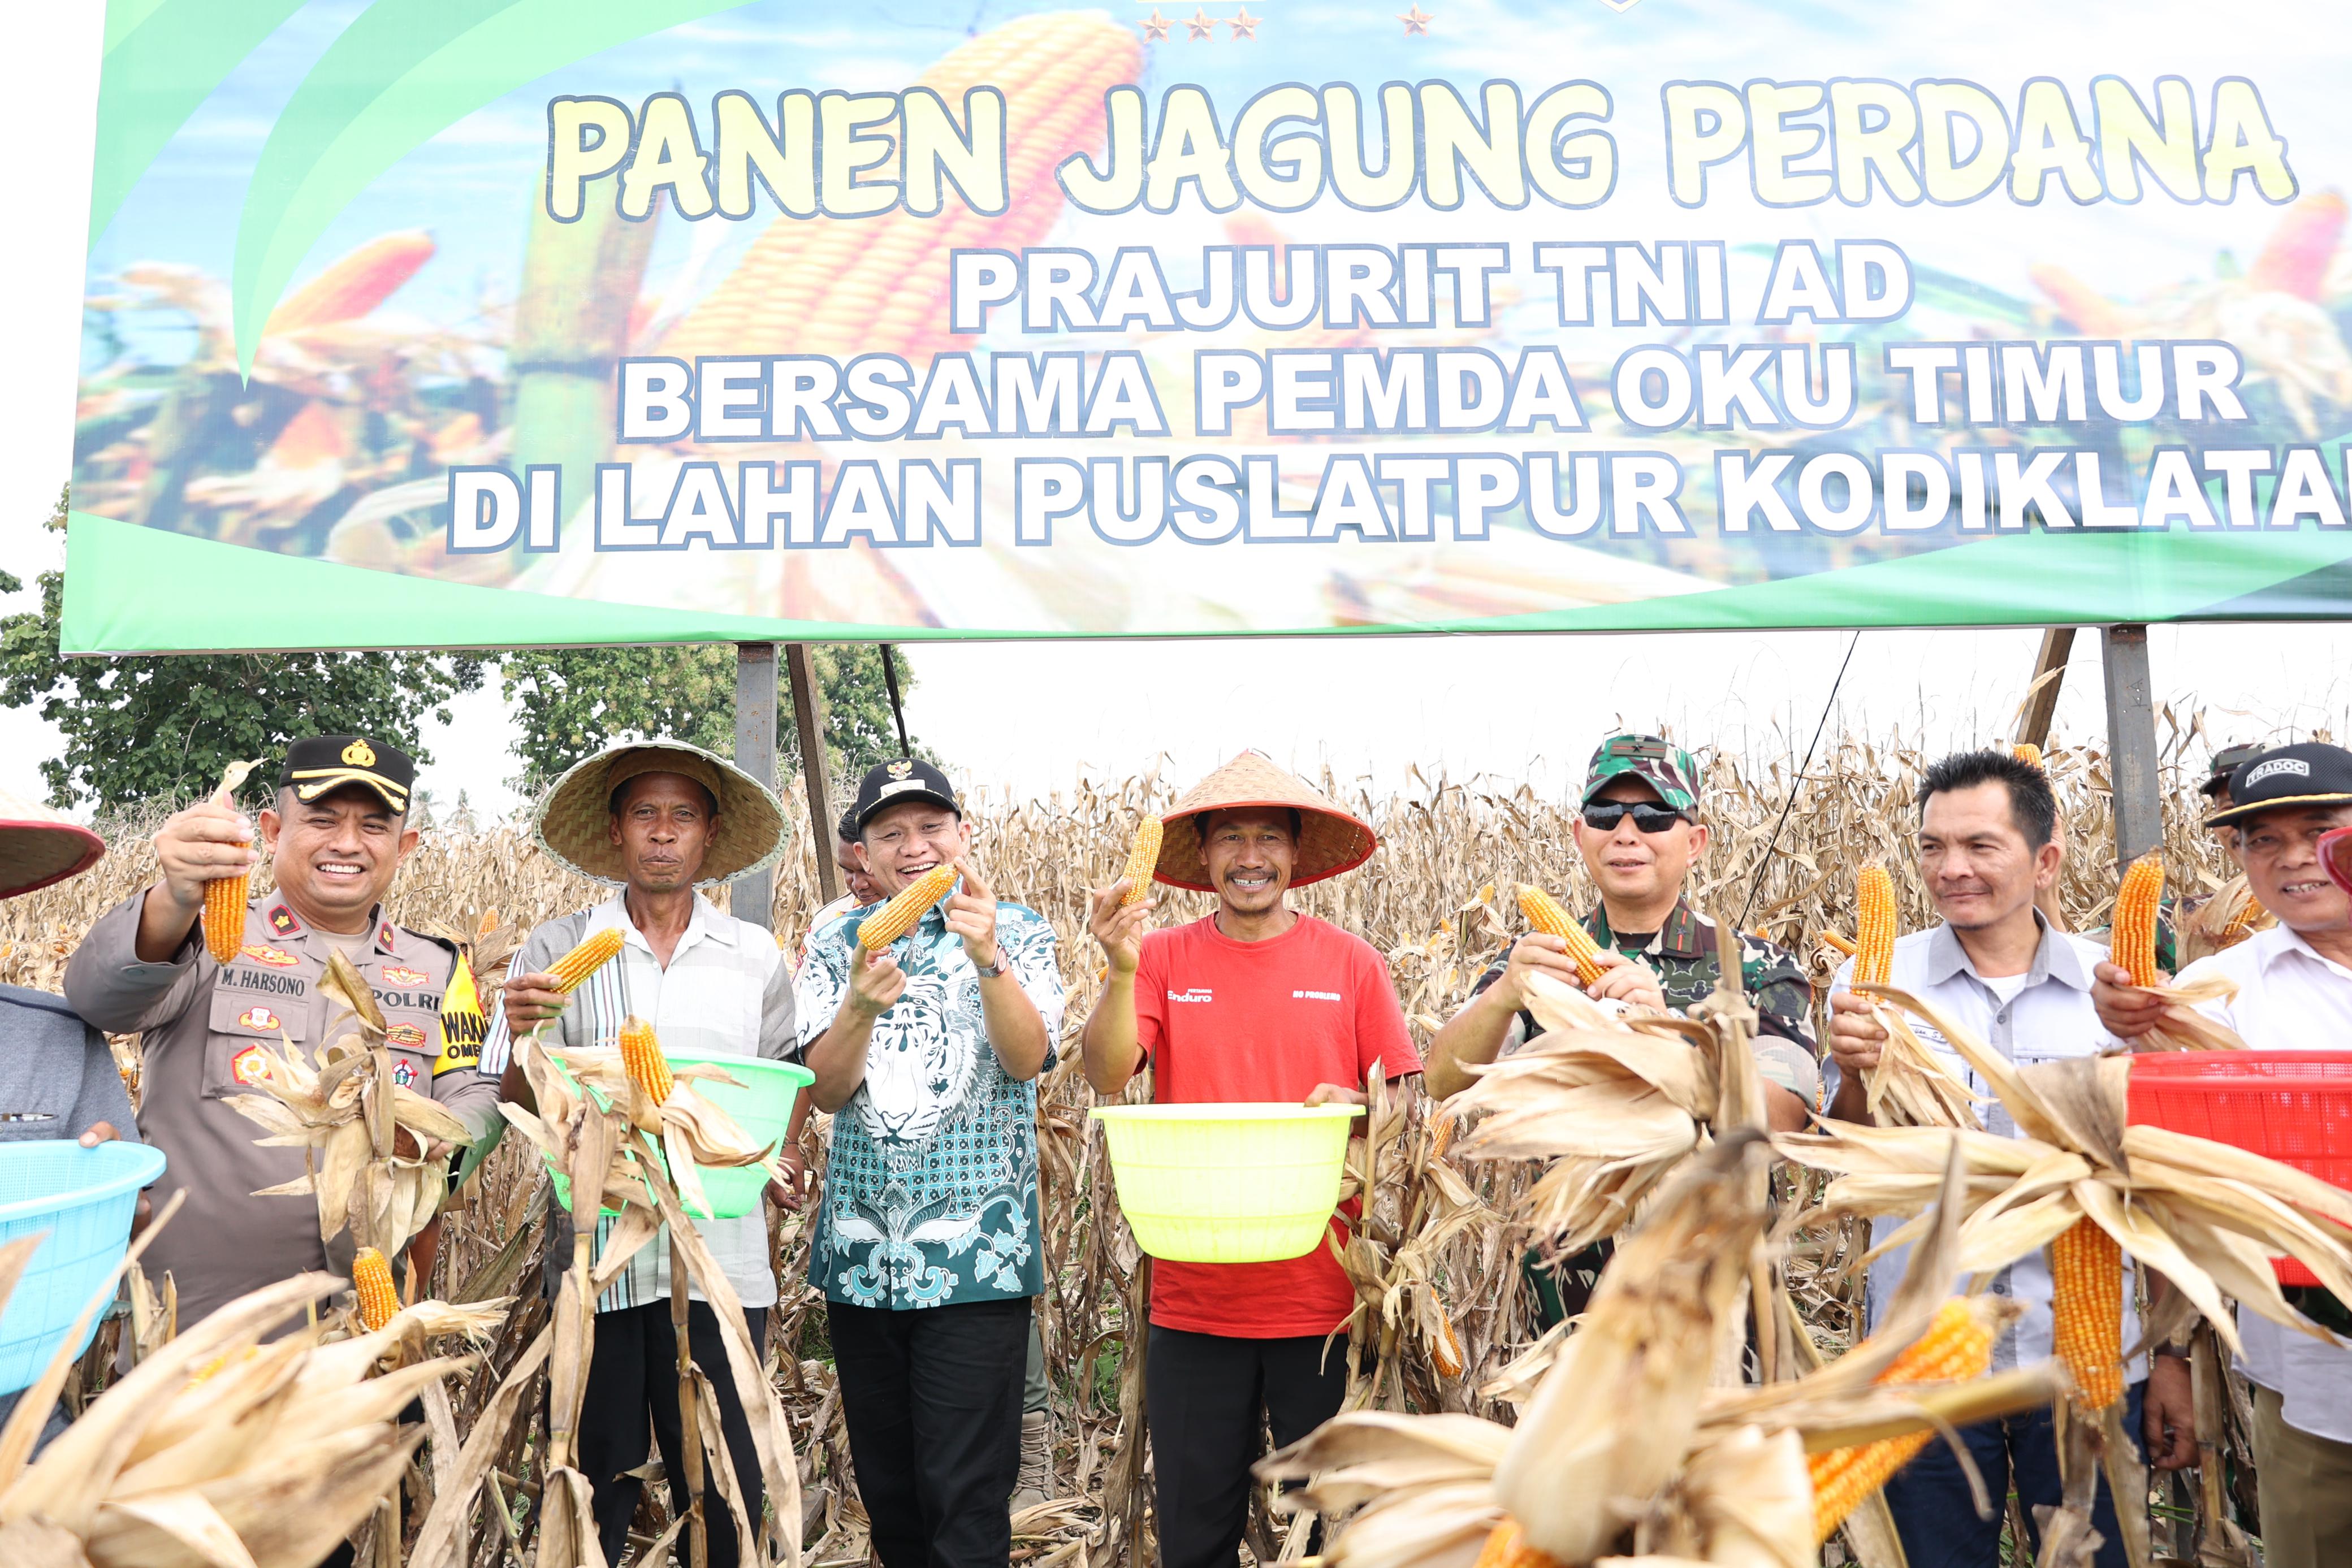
(930, 1188)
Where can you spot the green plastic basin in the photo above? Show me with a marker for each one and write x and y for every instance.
(1228, 1183)
(761, 1106)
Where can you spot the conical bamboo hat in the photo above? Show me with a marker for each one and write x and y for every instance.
(1331, 841)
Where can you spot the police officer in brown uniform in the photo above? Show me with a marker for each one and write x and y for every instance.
(338, 831)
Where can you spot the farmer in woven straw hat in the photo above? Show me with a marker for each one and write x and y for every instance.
(1255, 1001)
(660, 817)
(338, 830)
(57, 1077)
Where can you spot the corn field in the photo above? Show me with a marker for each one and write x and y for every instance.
(1445, 1311)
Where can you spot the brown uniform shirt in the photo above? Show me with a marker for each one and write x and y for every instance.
(202, 1024)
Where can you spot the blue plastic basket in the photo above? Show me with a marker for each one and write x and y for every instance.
(84, 1199)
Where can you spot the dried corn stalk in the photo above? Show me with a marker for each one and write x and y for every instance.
(1626, 1449)
(345, 1107)
(218, 1449)
(2208, 1216)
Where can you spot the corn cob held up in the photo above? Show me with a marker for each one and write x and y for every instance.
(371, 1281)
(2086, 1276)
(224, 896)
(1874, 925)
(1140, 862)
(2027, 753)
(899, 916)
(1841, 941)
(1957, 1347)
(1545, 913)
(2135, 919)
(641, 1054)
(571, 970)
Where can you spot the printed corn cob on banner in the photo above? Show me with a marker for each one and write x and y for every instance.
(727, 319)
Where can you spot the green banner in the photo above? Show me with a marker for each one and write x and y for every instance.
(416, 323)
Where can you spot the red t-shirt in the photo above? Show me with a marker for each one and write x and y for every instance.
(1226, 1020)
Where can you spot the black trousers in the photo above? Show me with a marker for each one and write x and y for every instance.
(632, 1402)
(933, 1401)
(1202, 1399)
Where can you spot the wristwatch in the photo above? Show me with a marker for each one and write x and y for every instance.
(989, 971)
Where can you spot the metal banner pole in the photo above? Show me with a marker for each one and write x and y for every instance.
(754, 897)
(2131, 743)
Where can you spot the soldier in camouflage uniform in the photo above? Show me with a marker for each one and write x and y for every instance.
(1640, 835)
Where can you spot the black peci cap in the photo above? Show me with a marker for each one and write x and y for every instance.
(899, 780)
(2310, 773)
(325, 763)
(2226, 761)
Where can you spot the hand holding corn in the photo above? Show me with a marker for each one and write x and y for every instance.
(1560, 947)
(1118, 925)
(972, 915)
(209, 842)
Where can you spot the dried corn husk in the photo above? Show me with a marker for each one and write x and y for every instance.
(1625, 1450)
(216, 1450)
(346, 1108)
(691, 1127)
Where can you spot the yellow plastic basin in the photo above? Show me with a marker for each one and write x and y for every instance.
(1227, 1183)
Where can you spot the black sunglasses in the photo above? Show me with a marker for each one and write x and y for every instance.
(1602, 816)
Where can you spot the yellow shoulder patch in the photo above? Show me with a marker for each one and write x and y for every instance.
(462, 1023)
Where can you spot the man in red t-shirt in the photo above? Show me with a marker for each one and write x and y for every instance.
(1255, 1002)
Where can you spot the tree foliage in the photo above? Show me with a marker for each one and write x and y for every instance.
(571, 702)
(145, 729)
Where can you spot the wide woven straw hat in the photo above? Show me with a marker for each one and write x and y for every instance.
(38, 846)
(1329, 840)
(574, 817)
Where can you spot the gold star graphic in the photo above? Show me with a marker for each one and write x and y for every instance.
(1155, 29)
(1243, 25)
(1200, 25)
(1416, 21)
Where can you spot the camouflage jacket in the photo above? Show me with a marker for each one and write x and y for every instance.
(1683, 955)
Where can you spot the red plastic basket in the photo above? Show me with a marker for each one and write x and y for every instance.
(2294, 1107)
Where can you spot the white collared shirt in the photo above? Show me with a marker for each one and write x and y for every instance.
(2289, 999)
(2050, 1017)
(727, 990)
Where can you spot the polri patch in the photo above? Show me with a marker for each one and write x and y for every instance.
(406, 1034)
(258, 1017)
(275, 957)
(250, 1065)
(395, 976)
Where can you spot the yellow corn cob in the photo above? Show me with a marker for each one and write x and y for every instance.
(1957, 1346)
(641, 1054)
(1544, 913)
(571, 970)
(1141, 861)
(1446, 1354)
(1874, 925)
(224, 896)
(355, 284)
(371, 1280)
(2134, 919)
(1507, 1547)
(879, 284)
(899, 916)
(2027, 753)
(225, 901)
(2250, 913)
(2086, 1308)
(1841, 941)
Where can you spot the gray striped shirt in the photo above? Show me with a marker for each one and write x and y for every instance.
(727, 989)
